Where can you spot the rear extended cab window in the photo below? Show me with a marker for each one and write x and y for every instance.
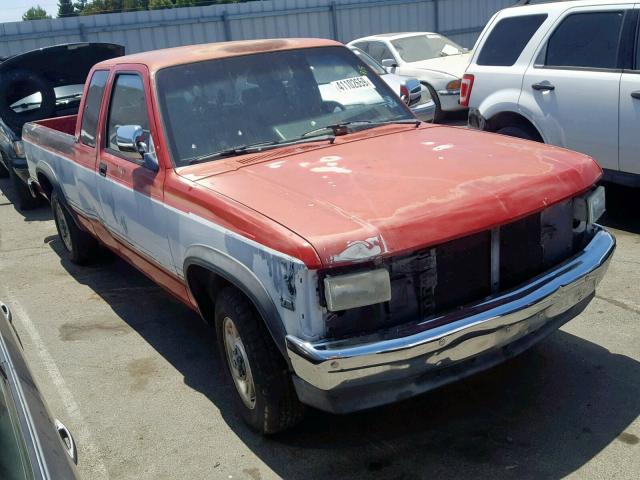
(508, 39)
(91, 110)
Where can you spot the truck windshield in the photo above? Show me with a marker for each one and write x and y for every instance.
(275, 97)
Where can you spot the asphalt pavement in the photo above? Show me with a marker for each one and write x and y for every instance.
(136, 378)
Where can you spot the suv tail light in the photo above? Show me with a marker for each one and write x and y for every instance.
(465, 89)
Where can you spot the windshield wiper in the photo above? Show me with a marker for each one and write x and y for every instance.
(343, 128)
(258, 147)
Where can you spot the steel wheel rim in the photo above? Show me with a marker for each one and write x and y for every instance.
(238, 363)
(63, 227)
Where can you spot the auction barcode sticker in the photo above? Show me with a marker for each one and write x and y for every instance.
(355, 83)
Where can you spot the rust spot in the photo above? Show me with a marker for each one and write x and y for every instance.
(254, 46)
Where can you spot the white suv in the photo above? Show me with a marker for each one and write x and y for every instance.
(564, 73)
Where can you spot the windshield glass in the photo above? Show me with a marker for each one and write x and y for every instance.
(217, 105)
(14, 463)
(375, 66)
(424, 47)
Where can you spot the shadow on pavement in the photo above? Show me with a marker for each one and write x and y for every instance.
(623, 208)
(541, 415)
(8, 197)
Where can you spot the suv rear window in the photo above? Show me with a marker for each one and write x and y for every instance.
(507, 40)
(588, 40)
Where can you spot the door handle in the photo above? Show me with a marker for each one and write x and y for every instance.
(543, 87)
(636, 94)
(102, 168)
(67, 440)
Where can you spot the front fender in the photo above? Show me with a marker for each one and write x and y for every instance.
(245, 280)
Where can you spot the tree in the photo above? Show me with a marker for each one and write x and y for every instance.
(65, 9)
(35, 13)
(131, 5)
(185, 3)
(160, 4)
(79, 6)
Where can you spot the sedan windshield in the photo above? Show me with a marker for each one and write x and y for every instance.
(222, 106)
(424, 47)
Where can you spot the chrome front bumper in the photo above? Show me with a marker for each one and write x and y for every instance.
(399, 360)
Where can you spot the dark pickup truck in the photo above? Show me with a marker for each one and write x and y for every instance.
(39, 84)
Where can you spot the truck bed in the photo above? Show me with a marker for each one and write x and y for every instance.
(65, 124)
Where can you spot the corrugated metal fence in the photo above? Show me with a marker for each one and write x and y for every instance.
(343, 20)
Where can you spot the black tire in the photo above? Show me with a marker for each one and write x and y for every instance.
(79, 245)
(4, 172)
(438, 114)
(25, 201)
(520, 131)
(276, 406)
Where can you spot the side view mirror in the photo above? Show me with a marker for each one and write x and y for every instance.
(389, 63)
(129, 139)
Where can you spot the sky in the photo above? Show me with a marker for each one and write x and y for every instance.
(12, 10)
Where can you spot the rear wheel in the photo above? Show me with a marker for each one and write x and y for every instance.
(79, 245)
(4, 173)
(264, 393)
(26, 201)
(520, 131)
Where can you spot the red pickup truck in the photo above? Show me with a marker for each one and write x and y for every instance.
(348, 255)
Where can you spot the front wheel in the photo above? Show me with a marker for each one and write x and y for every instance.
(438, 114)
(264, 392)
(79, 245)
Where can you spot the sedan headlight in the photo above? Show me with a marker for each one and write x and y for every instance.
(18, 148)
(590, 207)
(357, 289)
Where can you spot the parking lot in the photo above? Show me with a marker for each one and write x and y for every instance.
(136, 378)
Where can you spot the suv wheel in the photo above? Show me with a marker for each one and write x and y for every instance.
(264, 392)
(520, 131)
(79, 245)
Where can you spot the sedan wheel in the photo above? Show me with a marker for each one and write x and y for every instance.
(239, 364)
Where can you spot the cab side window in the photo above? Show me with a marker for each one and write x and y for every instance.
(586, 40)
(128, 107)
(92, 107)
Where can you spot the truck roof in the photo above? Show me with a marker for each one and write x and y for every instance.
(158, 59)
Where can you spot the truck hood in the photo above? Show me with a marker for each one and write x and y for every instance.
(453, 65)
(394, 192)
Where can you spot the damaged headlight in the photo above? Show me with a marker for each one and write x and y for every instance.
(357, 289)
(589, 207)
